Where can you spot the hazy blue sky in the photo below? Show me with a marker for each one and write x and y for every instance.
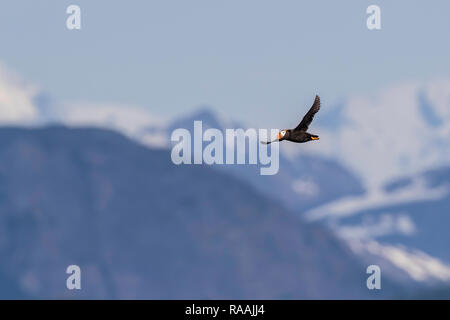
(254, 60)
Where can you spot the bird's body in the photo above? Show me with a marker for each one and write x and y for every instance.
(299, 134)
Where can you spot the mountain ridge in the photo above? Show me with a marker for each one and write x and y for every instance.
(139, 228)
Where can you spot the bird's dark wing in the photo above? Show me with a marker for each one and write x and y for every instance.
(309, 116)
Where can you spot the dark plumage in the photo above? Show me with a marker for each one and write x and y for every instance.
(299, 134)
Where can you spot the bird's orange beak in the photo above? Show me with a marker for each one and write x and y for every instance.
(278, 136)
(314, 138)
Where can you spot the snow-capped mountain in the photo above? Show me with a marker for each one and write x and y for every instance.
(134, 122)
(17, 99)
(402, 226)
(371, 178)
(398, 142)
(401, 130)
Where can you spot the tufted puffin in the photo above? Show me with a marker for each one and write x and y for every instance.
(299, 134)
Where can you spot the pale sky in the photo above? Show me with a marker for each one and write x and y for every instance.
(256, 61)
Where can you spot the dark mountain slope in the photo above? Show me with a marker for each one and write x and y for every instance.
(141, 227)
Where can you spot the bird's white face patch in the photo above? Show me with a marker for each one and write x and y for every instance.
(281, 134)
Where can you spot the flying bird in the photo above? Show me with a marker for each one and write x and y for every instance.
(299, 134)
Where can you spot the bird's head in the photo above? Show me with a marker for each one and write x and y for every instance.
(282, 134)
(313, 137)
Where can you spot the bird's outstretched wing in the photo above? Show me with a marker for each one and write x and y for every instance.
(309, 116)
